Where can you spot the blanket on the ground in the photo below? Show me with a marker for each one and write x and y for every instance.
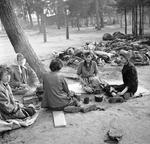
(17, 123)
(77, 88)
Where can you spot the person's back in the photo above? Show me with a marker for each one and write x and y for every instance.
(55, 90)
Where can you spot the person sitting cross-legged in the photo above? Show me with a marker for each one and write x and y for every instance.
(23, 80)
(88, 75)
(130, 79)
(9, 107)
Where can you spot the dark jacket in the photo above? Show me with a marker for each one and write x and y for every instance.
(55, 90)
(130, 78)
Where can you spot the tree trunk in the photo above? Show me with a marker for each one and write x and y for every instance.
(29, 14)
(140, 19)
(136, 21)
(58, 21)
(98, 27)
(92, 21)
(149, 18)
(117, 18)
(101, 19)
(30, 18)
(18, 38)
(142, 23)
(57, 15)
(121, 21)
(125, 17)
(133, 21)
(43, 25)
(87, 21)
(101, 13)
(24, 13)
(66, 24)
(38, 21)
(78, 23)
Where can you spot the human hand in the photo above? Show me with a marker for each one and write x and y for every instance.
(71, 93)
(24, 85)
(19, 114)
(20, 105)
(83, 83)
(91, 78)
(88, 89)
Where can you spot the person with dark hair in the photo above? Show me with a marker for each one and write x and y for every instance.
(57, 95)
(130, 78)
(23, 79)
(56, 92)
(56, 65)
(9, 108)
(88, 74)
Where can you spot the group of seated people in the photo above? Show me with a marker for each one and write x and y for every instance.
(15, 78)
(21, 79)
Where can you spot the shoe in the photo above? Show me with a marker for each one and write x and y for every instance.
(116, 100)
(88, 108)
(72, 109)
(86, 100)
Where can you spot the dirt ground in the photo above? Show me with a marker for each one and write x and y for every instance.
(132, 117)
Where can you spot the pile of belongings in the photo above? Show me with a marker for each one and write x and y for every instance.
(106, 51)
(118, 35)
(71, 56)
(139, 49)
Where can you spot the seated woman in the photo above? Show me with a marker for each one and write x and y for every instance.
(56, 93)
(130, 78)
(9, 108)
(23, 80)
(87, 72)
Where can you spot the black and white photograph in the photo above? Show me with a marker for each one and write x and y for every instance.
(74, 71)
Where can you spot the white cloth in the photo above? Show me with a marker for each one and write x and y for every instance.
(17, 123)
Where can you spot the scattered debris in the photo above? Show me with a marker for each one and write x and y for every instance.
(98, 98)
(107, 51)
(113, 136)
(107, 36)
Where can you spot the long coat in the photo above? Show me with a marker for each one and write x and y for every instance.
(9, 108)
